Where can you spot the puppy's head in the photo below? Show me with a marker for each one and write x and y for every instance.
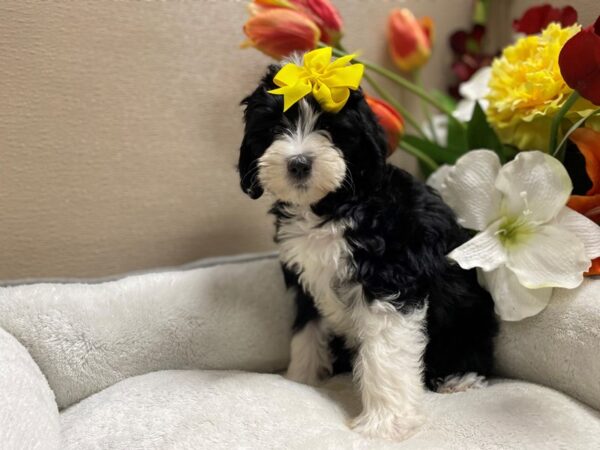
(304, 154)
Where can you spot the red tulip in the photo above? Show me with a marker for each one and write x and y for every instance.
(409, 39)
(326, 16)
(279, 32)
(321, 12)
(579, 62)
(390, 120)
(535, 19)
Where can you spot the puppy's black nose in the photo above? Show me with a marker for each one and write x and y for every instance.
(299, 166)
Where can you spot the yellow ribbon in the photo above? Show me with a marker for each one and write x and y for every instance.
(330, 82)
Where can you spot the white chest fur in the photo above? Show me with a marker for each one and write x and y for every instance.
(322, 257)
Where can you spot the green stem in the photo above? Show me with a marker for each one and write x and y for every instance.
(552, 149)
(384, 94)
(419, 155)
(426, 111)
(559, 152)
(392, 101)
(419, 92)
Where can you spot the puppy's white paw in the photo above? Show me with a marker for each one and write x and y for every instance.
(386, 425)
(461, 383)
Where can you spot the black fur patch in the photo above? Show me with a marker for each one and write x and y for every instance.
(401, 234)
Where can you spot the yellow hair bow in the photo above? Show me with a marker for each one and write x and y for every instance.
(330, 82)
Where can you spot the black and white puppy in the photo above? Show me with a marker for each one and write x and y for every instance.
(364, 245)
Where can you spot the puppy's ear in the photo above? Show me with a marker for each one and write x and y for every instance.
(248, 168)
(373, 141)
(262, 114)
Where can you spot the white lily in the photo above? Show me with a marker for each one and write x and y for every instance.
(528, 242)
(473, 91)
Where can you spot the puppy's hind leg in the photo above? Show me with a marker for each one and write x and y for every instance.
(310, 358)
(461, 383)
(389, 370)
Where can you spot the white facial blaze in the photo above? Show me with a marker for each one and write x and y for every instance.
(328, 165)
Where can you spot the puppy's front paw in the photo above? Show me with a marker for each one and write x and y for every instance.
(387, 425)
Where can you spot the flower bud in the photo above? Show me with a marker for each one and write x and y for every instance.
(409, 39)
(278, 32)
(321, 12)
(390, 120)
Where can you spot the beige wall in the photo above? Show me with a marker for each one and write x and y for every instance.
(119, 129)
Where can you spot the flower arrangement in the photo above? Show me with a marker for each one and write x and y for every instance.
(517, 157)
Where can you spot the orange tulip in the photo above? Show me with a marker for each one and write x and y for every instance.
(588, 142)
(321, 12)
(280, 32)
(326, 17)
(409, 40)
(390, 120)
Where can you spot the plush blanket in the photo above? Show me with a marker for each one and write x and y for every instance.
(230, 314)
(72, 340)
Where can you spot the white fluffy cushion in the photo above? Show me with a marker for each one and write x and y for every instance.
(225, 410)
(86, 337)
(237, 315)
(560, 347)
(98, 340)
(28, 412)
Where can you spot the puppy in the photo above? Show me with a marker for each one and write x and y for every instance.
(364, 246)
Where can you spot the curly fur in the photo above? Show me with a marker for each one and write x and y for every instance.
(367, 258)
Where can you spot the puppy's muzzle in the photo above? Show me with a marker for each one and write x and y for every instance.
(299, 167)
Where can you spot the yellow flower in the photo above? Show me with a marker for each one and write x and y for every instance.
(527, 89)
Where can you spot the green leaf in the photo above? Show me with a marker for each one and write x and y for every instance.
(426, 171)
(510, 151)
(435, 151)
(481, 135)
(444, 99)
(558, 153)
(457, 136)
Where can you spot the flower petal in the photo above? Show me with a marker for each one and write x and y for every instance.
(464, 110)
(477, 87)
(469, 189)
(485, 250)
(513, 301)
(548, 256)
(588, 143)
(579, 62)
(535, 185)
(437, 178)
(440, 127)
(587, 231)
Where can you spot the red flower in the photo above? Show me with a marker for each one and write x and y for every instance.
(579, 62)
(535, 19)
(327, 18)
(390, 120)
(462, 42)
(409, 39)
(588, 142)
(321, 12)
(279, 32)
(469, 57)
